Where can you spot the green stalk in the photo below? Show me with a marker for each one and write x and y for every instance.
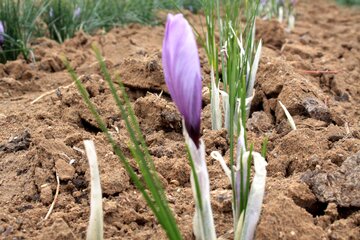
(156, 200)
(231, 62)
(196, 180)
(141, 154)
(264, 147)
(247, 188)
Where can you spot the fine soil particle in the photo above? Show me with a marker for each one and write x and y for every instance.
(312, 189)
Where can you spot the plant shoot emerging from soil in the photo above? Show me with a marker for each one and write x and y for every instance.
(240, 57)
(95, 230)
(183, 77)
(149, 184)
(280, 9)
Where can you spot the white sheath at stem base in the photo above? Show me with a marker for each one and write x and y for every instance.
(288, 115)
(237, 115)
(95, 228)
(255, 198)
(246, 224)
(203, 225)
(216, 118)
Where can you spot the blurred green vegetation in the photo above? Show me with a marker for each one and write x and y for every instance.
(349, 2)
(19, 19)
(61, 19)
(192, 5)
(65, 17)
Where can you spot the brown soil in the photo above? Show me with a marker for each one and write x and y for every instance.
(313, 184)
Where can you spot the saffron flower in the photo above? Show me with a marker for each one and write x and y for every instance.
(51, 12)
(2, 31)
(77, 12)
(182, 72)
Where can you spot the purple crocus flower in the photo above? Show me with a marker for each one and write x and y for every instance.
(51, 12)
(2, 31)
(77, 12)
(182, 72)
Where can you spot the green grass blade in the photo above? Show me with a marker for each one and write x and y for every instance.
(158, 210)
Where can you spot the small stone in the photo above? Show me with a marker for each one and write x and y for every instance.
(317, 109)
(206, 95)
(335, 133)
(17, 143)
(175, 182)
(64, 170)
(171, 199)
(332, 210)
(115, 181)
(341, 186)
(46, 195)
(110, 206)
(259, 122)
(77, 194)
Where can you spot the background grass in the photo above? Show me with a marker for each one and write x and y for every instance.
(192, 5)
(63, 22)
(25, 19)
(349, 2)
(61, 19)
(20, 20)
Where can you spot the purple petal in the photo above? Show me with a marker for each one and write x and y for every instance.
(77, 12)
(182, 72)
(51, 12)
(2, 31)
